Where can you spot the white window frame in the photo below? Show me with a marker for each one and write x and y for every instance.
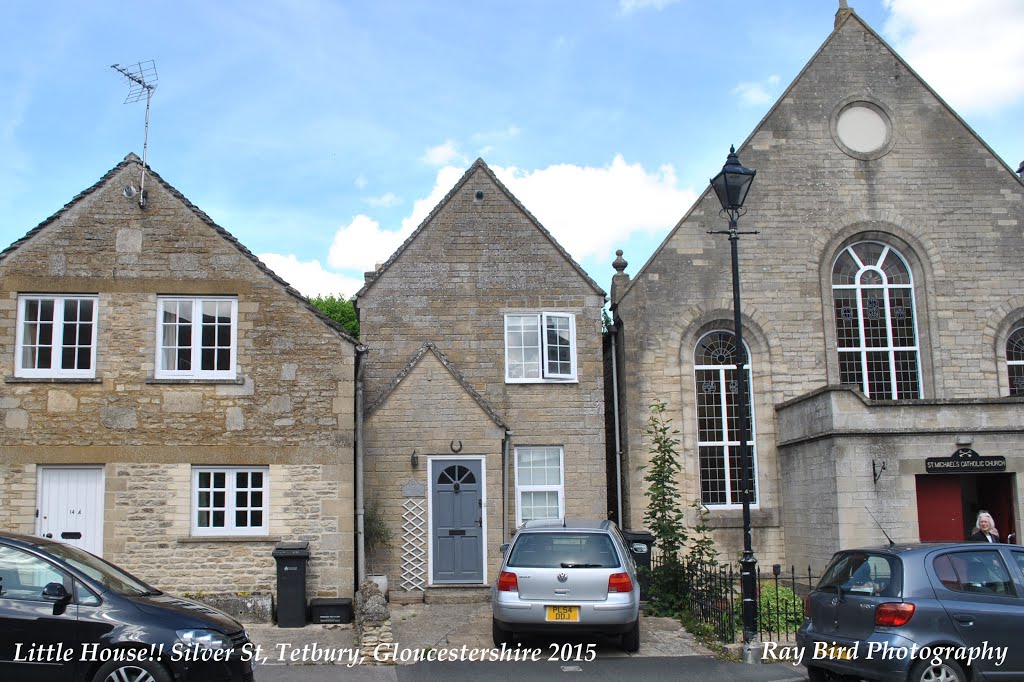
(161, 372)
(1013, 366)
(863, 349)
(546, 375)
(229, 508)
(722, 388)
(548, 487)
(57, 337)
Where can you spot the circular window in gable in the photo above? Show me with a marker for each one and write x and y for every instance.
(862, 129)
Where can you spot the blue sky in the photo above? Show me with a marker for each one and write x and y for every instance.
(321, 133)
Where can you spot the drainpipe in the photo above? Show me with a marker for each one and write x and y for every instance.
(505, 444)
(360, 543)
(615, 419)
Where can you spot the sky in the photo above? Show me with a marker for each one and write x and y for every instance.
(321, 134)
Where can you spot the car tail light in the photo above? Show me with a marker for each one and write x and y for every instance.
(508, 582)
(894, 614)
(620, 582)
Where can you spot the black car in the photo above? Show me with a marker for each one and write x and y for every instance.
(66, 614)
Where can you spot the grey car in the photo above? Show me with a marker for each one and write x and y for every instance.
(926, 612)
(567, 577)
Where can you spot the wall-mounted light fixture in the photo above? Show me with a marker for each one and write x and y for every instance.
(414, 460)
(876, 470)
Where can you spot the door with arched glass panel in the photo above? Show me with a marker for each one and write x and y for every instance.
(718, 445)
(457, 520)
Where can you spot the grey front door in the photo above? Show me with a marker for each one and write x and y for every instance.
(457, 521)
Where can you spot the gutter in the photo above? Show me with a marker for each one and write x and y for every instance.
(615, 419)
(505, 445)
(361, 351)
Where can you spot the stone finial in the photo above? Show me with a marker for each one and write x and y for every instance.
(620, 279)
(843, 12)
(619, 263)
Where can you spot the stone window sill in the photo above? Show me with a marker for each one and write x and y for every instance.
(52, 380)
(193, 539)
(230, 382)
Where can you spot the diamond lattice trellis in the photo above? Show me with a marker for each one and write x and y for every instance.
(414, 555)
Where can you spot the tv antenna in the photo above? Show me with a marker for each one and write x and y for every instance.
(142, 80)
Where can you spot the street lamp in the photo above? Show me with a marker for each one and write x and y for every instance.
(731, 186)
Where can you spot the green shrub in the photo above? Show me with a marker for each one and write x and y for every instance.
(781, 611)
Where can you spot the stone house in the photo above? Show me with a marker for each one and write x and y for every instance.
(167, 401)
(484, 387)
(883, 315)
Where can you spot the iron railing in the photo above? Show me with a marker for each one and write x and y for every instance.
(709, 593)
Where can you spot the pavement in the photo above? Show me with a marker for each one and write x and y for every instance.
(427, 634)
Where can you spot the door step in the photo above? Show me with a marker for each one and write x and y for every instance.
(457, 594)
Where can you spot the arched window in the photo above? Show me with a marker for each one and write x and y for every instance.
(876, 332)
(1015, 361)
(721, 470)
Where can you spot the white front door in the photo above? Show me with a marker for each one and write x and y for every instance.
(70, 507)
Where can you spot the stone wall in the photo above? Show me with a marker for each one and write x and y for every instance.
(291, 406)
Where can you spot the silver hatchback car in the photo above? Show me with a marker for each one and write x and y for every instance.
(567, 577)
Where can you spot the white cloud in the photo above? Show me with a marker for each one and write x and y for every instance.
(383, 201)
(629, 6)
(754, 93)
(970, 52)
(360, 182)
(442, 154)
(591, 210)
(309, 277)
(363, 242)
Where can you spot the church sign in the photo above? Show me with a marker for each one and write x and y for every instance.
(964, 461)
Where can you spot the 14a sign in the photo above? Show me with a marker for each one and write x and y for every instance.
(964, 461)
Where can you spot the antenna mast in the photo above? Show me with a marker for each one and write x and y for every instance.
(142, 80)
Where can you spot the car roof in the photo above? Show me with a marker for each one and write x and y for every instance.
(27, 541)
(568, 524)
(908, 548)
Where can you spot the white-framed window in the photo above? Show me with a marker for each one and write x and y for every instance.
(540, 347)
(715, 365)
(196, 338)
(56, 336)
(540, 483)
(1015, 361)
(230, 500)
(876, 328)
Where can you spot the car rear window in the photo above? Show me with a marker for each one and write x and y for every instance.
(563, 550)
(981, 572)
(876, 575)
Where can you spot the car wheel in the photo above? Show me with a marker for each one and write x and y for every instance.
(816, 674)
(500, 636)
(631, 639)
(136, 671)
(945, 671)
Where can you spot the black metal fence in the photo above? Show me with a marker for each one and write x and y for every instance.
(710, 594)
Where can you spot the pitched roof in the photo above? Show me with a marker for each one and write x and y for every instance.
(479, 164)
(844, 16)
(415, 360)
(132, 158)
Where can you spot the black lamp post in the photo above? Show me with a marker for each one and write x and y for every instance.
(731, 186)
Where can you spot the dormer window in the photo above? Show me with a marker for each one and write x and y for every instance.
(540, 347)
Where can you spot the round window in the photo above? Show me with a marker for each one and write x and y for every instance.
(862, 129)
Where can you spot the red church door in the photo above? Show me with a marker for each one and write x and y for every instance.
(940, 508)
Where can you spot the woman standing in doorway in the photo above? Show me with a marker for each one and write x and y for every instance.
(984, 529)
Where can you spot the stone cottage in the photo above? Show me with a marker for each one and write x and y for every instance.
(167, 401)
(484, 387)
(883, 316)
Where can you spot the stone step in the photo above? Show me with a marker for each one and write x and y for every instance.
(457, 594)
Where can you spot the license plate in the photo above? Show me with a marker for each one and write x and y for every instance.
(564, 614)
(841, 653)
